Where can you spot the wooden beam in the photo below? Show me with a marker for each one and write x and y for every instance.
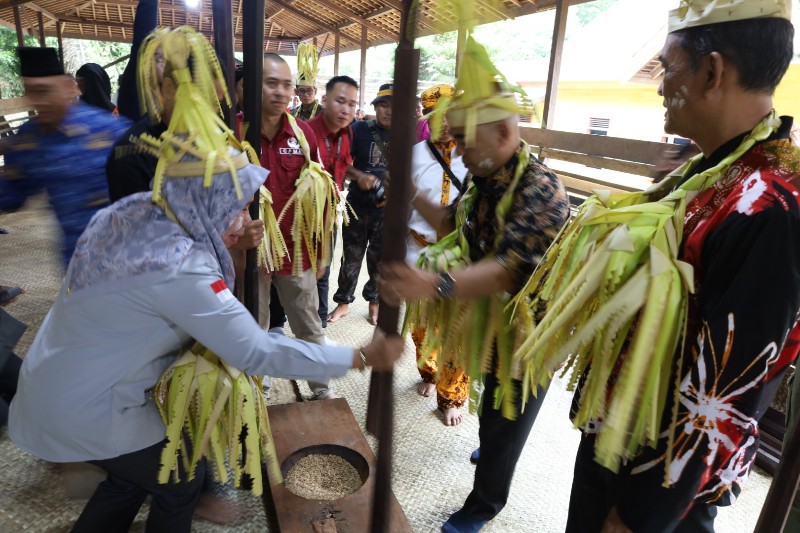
(120, 60)
(362, 82)
(18, 27)
(352, 16)
(253, 44)
(380, 409)
(49, 14)
(223, 44)
(59, 27)
(489, 7)
(780, 498)
(338, 27)
(40, 22)
(5, 4)
(336, 54)
(554, 71)
(299, 13)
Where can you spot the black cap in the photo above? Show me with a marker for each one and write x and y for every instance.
(38, 62)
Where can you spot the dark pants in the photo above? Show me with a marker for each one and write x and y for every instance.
(131, 478)
(595, 491)
(277, 316)
(9, 375)
(501, 443)
(359, 237)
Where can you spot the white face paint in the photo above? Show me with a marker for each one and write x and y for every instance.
(486, 163)
(677, 101)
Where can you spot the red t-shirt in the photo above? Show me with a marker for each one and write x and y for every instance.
(334, 149)
(284, 159)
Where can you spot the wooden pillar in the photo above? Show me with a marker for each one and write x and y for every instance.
(223, 44)
(60, 43)
(253, 49)
(362, 83)
(336, 54)
(380, 410)
(18, 26)
(462, 37)
(559, 31)
(40, 20)
(778, 505)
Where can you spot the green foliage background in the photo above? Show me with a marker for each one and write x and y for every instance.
(76, 53)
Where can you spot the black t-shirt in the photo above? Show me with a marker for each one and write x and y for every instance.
(129, 170)
(367, 157)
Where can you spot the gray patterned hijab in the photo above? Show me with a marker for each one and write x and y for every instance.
(133, 243)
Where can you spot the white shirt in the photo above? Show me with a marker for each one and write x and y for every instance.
(426, 174)
(84, 385)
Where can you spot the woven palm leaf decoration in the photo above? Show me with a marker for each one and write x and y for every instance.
(307, 64)
(471, 333)
(315, 199)
(616, 295)
(216, 411)
(210, 409)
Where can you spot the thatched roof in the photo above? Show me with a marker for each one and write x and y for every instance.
(287, 22)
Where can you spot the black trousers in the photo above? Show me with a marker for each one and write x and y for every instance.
(131, 477)
(361, 236)
(501, 442)
(595, 491)
(9, 375)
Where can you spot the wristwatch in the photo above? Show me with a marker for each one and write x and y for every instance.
(446, 286)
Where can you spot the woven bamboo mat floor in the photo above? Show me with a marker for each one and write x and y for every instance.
(432, 475)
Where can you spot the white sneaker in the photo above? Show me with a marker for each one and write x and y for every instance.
(279, 330)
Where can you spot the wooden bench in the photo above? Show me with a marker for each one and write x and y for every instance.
(14, 112)
(586, 162)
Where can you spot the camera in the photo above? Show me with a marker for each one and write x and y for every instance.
(378, 193)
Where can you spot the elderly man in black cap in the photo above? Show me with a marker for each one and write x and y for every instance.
(62, 150)
(370, 149)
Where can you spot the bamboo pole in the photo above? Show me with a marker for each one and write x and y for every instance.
(253, 49)
(380, 410)
(223, 43)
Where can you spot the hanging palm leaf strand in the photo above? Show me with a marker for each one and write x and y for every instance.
(315, 199)
(616, 295)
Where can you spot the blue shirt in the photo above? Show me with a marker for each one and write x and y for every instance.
(69, 163)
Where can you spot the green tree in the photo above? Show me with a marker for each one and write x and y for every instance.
(590, 10)
(76, 53)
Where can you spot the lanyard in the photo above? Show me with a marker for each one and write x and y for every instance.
(338, 147)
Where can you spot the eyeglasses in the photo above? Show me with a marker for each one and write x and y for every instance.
(305, 90)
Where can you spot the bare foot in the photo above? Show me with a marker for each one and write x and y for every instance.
(453, 416)
(373, 313)
(220, 511)
(426, 389)
(340, 311)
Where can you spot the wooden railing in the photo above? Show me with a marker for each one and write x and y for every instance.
(13, 113)
(595, 161)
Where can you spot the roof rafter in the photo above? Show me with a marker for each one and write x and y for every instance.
(314, 20)
(356, 18)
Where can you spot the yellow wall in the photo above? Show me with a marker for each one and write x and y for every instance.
(635, 110)
(787, 96)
